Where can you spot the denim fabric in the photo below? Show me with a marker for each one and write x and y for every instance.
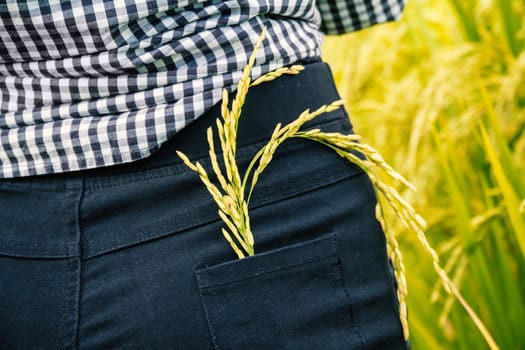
(132, 256)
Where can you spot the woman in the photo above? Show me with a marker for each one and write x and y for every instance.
(107, 241)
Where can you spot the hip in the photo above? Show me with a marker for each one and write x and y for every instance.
(132, 256)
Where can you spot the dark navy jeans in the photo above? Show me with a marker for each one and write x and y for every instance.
(132, 256)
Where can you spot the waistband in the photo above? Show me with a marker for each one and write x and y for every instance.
(88, 213)
(266, 105)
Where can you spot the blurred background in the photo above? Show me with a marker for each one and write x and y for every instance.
(441, 95)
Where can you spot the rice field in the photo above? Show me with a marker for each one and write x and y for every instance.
(441, 95)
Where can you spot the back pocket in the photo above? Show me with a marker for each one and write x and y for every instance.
(289, 298)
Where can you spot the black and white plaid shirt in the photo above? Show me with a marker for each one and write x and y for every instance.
(92, 83)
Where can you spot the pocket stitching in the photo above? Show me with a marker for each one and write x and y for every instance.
(337, 278)
(353, 316)
(206, 314)
(264, 272)
(323, 247)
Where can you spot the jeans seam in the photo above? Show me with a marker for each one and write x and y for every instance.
(314, 185)
(65, 328)
(79, 270)
(265, 272)
(69, 329)
(206, 315)
(353, 316)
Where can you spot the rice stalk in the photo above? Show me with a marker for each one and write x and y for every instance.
(233, 208)
(408, 216)
(293, 70)
(232, 205)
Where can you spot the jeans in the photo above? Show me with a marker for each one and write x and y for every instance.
(132, 256)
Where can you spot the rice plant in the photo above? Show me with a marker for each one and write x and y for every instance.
(441, 94)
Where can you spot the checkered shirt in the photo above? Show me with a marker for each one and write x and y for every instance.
(93, 83)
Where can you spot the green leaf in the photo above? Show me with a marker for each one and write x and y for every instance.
(511, 199)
